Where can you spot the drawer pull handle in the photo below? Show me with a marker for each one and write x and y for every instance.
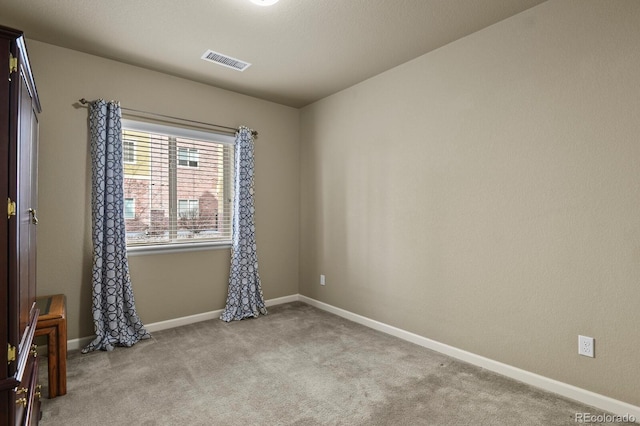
(22, 390)
(22, 401)
(34, 350)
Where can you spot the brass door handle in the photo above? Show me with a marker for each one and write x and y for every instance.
(34, 218)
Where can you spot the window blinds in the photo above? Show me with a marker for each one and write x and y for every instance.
(177, 185)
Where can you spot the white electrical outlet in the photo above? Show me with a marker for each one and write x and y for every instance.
(321, 279)
(586, 346)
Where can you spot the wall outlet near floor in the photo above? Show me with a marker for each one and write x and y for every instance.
(321, 279)
(586, 346)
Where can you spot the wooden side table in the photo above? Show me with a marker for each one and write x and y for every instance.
(52, 323)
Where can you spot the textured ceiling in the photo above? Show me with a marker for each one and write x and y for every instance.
(300, 50)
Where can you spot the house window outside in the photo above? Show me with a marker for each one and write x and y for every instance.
(128, 151)
(187, 208)
(129, 208)
(178, 207)
(189, 215)
(188, 157)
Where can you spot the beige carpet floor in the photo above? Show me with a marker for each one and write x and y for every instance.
(296, 366)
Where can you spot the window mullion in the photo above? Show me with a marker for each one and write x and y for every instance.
(228, 188)
(173, 190)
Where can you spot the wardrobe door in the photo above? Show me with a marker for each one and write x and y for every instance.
(19, 396)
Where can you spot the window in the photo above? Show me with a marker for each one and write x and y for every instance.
(187, 208)
(182, 186)
(188, 157)
(129, 208)
(128, 151)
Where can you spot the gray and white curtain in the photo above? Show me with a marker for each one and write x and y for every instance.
(245, 298)
(115, 319)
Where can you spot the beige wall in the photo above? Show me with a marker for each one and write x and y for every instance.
(487, 195)
(170, 285)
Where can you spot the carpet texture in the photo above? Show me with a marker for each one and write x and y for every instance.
(296, 366)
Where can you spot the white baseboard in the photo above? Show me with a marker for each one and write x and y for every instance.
(569, 391)
(282, 300)
(80, 343)
(75, 344)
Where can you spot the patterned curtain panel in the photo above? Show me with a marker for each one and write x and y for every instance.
(245, 293)
(114, 314)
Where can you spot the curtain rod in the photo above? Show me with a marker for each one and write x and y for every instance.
(83, 101)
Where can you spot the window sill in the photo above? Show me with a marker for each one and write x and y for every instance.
(176, 248)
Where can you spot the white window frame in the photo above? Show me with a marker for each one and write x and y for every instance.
(181, 132)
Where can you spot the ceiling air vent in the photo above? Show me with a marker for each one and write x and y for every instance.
(225, 61)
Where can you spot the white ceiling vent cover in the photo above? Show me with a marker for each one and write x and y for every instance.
(225, 61)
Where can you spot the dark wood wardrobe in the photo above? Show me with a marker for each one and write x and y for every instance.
(19, 109)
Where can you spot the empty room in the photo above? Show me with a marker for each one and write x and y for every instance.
(336, 212)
